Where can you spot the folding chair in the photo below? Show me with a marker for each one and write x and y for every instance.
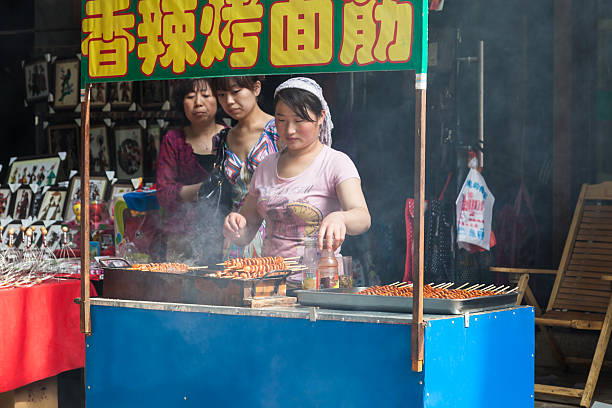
(581, 296)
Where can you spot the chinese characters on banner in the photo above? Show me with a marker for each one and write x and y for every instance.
(175, 35)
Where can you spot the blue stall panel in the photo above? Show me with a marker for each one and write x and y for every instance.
(488, 364)
(157, 358)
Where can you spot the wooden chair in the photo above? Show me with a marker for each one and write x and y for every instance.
(581, 296)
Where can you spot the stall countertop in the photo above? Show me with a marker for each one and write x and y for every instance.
(293, 312)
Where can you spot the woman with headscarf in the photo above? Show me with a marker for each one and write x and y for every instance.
(307, 189)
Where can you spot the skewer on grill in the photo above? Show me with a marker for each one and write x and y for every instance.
(464, 285)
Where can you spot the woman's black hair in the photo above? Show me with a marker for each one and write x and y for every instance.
(300, 101)
(184, 87)
(243, 81)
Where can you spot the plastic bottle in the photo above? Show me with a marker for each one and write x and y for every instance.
(328, 269)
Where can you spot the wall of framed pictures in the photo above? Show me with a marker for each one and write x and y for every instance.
(128, 120)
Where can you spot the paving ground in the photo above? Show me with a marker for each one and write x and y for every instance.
(553, 376)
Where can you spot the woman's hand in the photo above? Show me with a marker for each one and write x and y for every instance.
(332, 231)
(234, 226)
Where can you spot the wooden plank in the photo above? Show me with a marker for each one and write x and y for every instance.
(600, 352)
(601, 191)
(585, 292)
(589, 268)
(569, 247)
(594, 237)
(593, 245)
(582, 282)
(569, 295)
(270, 301)
(417, 333)
(85, 305)
(587, 230)
(590, 262)
(592, 256)
(523, 270)
(582, 308)
(597, 220)
(585, 274)
(598, 210)
(560, 391)
(565, 301)
(561, 315)
(522, 286)
(570, 324)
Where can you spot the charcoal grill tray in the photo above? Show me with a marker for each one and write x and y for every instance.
(348, 299)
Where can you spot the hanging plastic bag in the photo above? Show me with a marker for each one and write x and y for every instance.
(474, 212)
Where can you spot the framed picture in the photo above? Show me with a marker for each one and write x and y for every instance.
(41, 170)
(119, 189)
(5, 201)
(65, 138)
(99, 159)
(120, 94)
(152, 93)
(97, 96)
(129, 152)
(23, 203)
(97, 188)
(52, 206)
(37, 80)
(66, 84)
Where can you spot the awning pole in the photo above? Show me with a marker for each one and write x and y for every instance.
(85, 305)
(418, 327)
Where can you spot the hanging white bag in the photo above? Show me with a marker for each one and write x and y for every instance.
(474, 212)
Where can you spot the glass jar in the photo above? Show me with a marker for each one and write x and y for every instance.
(328, 270)
(310, 261)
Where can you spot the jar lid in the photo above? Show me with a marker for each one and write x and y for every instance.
(309, 241)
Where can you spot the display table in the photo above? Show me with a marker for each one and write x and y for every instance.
(39, 332)
(143, 354)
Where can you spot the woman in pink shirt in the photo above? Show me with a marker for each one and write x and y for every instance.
(307, 189)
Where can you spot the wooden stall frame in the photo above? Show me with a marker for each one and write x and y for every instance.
(418, 325)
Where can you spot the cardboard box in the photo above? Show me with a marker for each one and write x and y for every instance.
(40, 394)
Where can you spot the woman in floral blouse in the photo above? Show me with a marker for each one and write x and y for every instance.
(252, 139)
(186, 157)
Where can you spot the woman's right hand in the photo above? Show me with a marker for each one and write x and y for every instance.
(234, 226)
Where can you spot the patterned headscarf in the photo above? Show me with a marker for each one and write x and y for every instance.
(311, 86)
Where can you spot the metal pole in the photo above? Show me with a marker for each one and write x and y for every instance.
(85, 305)
(418, 326)
(481, 103)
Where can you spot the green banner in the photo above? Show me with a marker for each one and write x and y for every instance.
(134, 40)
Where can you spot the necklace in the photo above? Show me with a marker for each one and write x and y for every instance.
(202, 145)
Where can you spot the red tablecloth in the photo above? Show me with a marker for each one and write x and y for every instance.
(39, 332)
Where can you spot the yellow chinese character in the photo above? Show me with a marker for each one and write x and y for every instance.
(301, 32)
(210, 26)
(395, 35)
(178, 32)
(108, 41)
(358, 32)
(241, 31)
(150, 29)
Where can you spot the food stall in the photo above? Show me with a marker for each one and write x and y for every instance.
(195, 342)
